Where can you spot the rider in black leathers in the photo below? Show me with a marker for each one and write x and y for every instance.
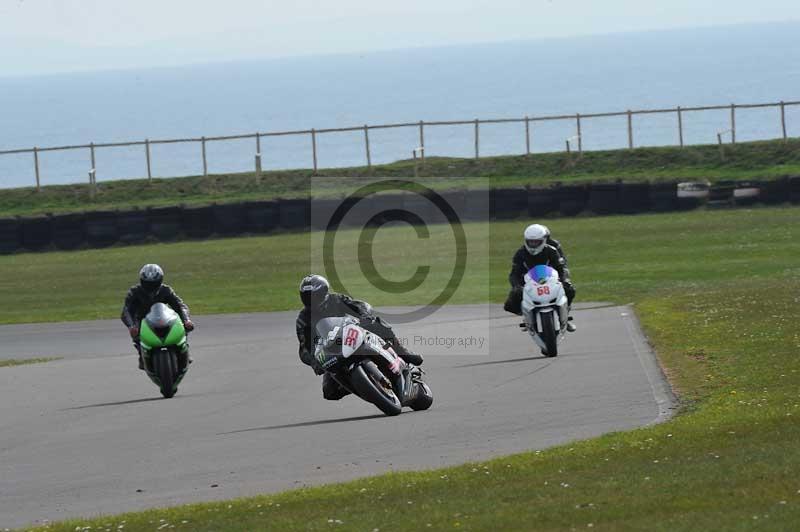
(553, 243)
(144, 295)
(533, 253)
(318, 303)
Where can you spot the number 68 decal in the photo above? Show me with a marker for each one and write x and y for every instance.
(543, 290)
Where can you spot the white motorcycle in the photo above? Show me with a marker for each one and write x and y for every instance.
(545, 308)
(359, 361)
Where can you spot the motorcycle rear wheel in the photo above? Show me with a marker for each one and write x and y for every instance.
(367, 382)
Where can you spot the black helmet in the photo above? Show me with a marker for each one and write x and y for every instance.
(151, 276)
(314, 290)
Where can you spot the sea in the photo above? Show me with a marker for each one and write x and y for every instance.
(608, 73)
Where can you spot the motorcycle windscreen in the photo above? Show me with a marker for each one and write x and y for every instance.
(161, 317)
(541, 273)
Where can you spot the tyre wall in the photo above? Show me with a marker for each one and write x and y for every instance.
(97, 229)
(10, 239)
(69, 231)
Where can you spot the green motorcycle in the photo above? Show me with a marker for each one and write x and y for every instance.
(164, 349)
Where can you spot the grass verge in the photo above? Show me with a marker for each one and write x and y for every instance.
(718, 294)
(23, 361)
(749, 160)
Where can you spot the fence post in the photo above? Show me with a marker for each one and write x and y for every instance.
(733, 123)
(527, 136)
(422, 140)
(680, 126)
(36, 166)
(568, 148)
(477, 140)
(721, 147)
(147, 155)
(580, 136)
(366, 146)
(314, 148)
(630, 129)
(258, 158)
(205, 160)
(783, 119)
(258, 168)
(91, 153)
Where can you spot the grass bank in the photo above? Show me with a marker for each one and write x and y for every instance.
(743, 161)
(718, 295)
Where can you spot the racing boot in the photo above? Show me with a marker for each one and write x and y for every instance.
(407, 355)
(513, 303)
(570, 325)
(332, 390)
(184, 359)
(509, 306)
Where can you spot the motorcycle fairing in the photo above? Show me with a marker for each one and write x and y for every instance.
(162, 318)
(352, 339)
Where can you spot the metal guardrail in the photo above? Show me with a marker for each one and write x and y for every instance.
(312, 133)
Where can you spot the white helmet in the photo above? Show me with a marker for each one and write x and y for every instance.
(546, 231)
(535, 238)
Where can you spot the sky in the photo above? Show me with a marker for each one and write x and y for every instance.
(49, 36)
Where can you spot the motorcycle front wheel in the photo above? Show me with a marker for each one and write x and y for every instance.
(165, 365)
(549, 334)
(372, 385)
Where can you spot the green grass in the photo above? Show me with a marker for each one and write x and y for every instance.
(743, 161)
(23, 361)
(623, 258)
(717, 293)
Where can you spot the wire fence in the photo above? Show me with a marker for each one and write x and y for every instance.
(572, 143)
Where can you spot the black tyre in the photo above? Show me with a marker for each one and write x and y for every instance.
(423, 398)
(372, 386)
(549, 334)
(166, 369)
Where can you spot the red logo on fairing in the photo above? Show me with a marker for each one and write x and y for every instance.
(352, 336)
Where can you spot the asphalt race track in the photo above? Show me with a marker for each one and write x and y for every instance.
(90, 434)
